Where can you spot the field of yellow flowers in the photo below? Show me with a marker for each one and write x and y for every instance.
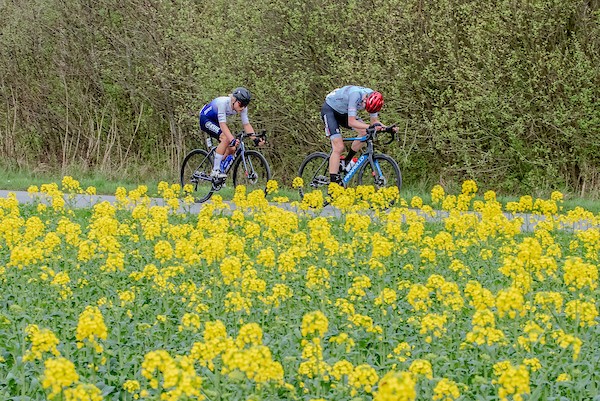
(253, 302)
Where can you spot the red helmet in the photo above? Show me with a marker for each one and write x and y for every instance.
(374, 102)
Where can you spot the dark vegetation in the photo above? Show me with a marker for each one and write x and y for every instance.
(506, 92)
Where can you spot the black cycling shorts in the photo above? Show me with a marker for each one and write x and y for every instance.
(333, 120)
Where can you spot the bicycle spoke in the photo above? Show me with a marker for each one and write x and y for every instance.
(314, 172)
(195, 171)
(252, 171)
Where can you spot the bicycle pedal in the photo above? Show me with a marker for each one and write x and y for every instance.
(321, 180)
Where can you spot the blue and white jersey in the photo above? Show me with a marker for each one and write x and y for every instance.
(348, 99)
(220, 108)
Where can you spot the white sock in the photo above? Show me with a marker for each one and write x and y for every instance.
(217, 163)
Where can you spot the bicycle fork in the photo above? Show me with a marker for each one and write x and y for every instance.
(379, 178)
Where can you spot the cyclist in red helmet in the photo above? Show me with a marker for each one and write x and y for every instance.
(340, 109)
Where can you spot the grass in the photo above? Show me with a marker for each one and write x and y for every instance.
(20, 180)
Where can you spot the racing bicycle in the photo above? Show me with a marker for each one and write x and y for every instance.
(249, 168)
(376, 169)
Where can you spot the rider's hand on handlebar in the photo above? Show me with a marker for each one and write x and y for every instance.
(259, 140)
(377, 127)
(234, 142)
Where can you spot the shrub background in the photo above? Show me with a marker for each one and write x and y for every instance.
(504, 91)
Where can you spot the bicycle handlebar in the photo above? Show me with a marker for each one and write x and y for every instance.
(372, 133)
(243, 135)
(257, 136)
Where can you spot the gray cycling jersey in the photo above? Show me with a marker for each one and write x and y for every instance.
(348, 99)
(221, 108)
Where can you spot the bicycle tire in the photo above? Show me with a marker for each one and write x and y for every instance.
(254, 173)
(390, 173)
(195, 170)
(314, 172)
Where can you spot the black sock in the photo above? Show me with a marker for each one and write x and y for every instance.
(350, 155)
(335, 178)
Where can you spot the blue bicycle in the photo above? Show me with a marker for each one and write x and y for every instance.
(376, 169)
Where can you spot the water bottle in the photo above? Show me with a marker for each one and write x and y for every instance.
(226, 162)
(208, 142)
(351, 164)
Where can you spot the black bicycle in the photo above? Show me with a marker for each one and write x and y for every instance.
(376, 169)
(249, 168)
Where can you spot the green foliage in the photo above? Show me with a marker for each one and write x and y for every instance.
(502, 92)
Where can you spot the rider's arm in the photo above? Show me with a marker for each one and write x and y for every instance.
(248, 128)
(354, 100)
(246, 121)
(353, 122)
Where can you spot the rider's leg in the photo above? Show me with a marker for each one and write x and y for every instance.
(356, 145)
(213, 129)
(332, 121)
(337, 147)
(222, 151)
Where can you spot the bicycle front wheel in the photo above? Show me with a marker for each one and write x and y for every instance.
(314, 172)
(252, 170)
(384, 172)
(195, 171)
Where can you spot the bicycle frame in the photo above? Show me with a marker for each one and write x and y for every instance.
(239, 152)
(365, 157)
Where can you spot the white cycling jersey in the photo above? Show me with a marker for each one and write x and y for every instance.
(220, 108)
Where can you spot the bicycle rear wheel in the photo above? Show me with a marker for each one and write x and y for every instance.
(383, 173)
(195, 170)
(252, 170)
(314, 172)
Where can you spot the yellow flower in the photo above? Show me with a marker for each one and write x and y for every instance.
(433, 325)
(91, 327)
(190, 321)
(83, 392)
(514, 381)
(250, 334)
(42, 341)
(272, 186)
(585, 312)
(59, 373)
(363, 376)
(131, 386)
(510, 302)
(469, 187)
(445, 390)
(163, 251)
(533, 363)
(402, 351)
(71, 185)
(437, 194)
(298, 182)
(314, 323)
(396, 386)
(416, 202)
(421, 367)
